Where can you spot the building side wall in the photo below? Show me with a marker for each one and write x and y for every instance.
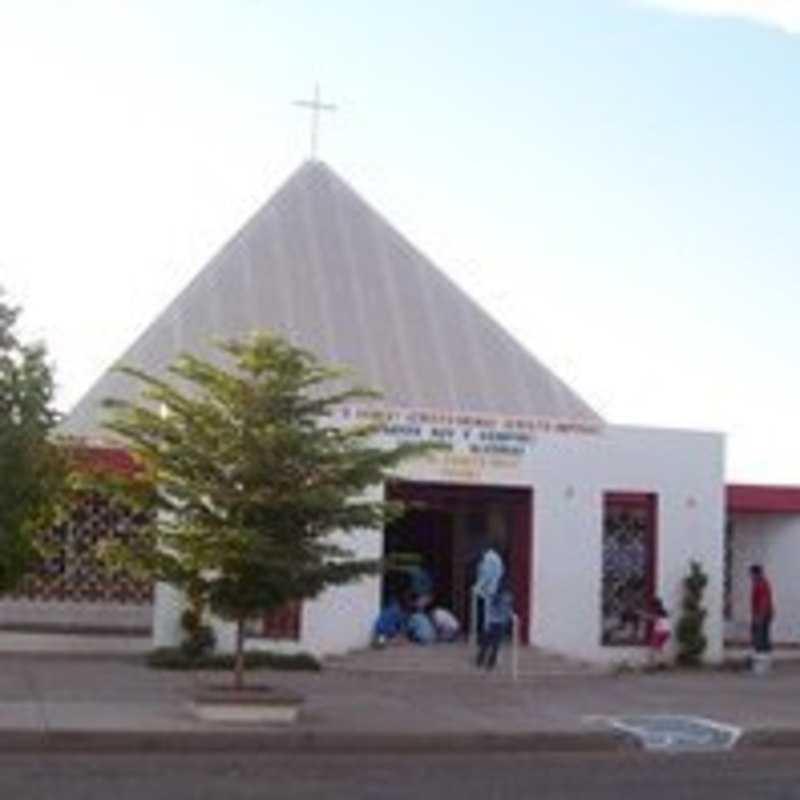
(684, 471)
(569, 476)
(68, 616)
(341, 618)
(772, 540)
(338, 620)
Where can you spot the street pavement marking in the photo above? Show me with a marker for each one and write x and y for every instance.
(674, 732)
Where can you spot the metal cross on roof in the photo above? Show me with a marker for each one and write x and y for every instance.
(315, 106)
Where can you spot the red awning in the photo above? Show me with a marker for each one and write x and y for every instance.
(751, 499)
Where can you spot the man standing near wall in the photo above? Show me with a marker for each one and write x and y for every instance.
(762, 610)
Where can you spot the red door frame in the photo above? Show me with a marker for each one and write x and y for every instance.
(519, 499)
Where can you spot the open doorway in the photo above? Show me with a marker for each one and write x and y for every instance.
(447, 525)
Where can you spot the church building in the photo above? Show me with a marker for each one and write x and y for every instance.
(594, 518)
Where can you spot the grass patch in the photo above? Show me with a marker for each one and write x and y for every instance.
(175, 658)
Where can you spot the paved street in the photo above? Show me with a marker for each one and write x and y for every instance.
(766, 776)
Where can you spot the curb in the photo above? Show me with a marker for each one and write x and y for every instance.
(308, 742)
(769, 739)
(283, 741)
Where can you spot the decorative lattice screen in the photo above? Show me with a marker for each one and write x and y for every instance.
(71, 570)
(628, 567)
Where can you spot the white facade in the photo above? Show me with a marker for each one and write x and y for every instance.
(321, 267)
(569, 473)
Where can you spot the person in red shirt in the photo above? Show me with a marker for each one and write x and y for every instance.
(762, 609)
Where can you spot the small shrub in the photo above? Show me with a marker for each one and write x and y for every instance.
(692, 641)
(176, 658)
(198, 639)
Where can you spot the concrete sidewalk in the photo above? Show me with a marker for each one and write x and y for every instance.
(115, 702)
(70, 644)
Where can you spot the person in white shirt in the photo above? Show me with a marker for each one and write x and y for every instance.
(447, 626)
(490, 573)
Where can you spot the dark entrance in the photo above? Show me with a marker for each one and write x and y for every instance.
(446, 525)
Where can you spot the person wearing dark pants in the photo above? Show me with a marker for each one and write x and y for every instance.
(499, 611)
(491, 638)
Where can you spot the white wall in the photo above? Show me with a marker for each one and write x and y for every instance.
(166, 620)
(684, 471)
(70, 615)
(772, 540)
(170, 604)
(342, 617)
(569, 474)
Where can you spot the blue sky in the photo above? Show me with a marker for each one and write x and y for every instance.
(615, 180)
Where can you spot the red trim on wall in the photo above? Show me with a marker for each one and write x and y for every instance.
(105, 459)
(522, 565)
(442, 494)
(753, 499)
(283, 623)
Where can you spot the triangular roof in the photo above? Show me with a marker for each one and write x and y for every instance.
(319, 265)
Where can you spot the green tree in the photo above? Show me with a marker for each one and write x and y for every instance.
(32, 466)
(692, 641)
(252, 484)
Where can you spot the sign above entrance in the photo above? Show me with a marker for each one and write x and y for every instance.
(424, 424)
(470, 444)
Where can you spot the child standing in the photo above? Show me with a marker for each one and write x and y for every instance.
(660, 633)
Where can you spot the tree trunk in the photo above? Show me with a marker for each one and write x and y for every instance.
(238, 664)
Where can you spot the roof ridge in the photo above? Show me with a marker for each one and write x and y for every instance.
(318, 261)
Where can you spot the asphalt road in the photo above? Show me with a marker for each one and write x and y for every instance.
(765, 776)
